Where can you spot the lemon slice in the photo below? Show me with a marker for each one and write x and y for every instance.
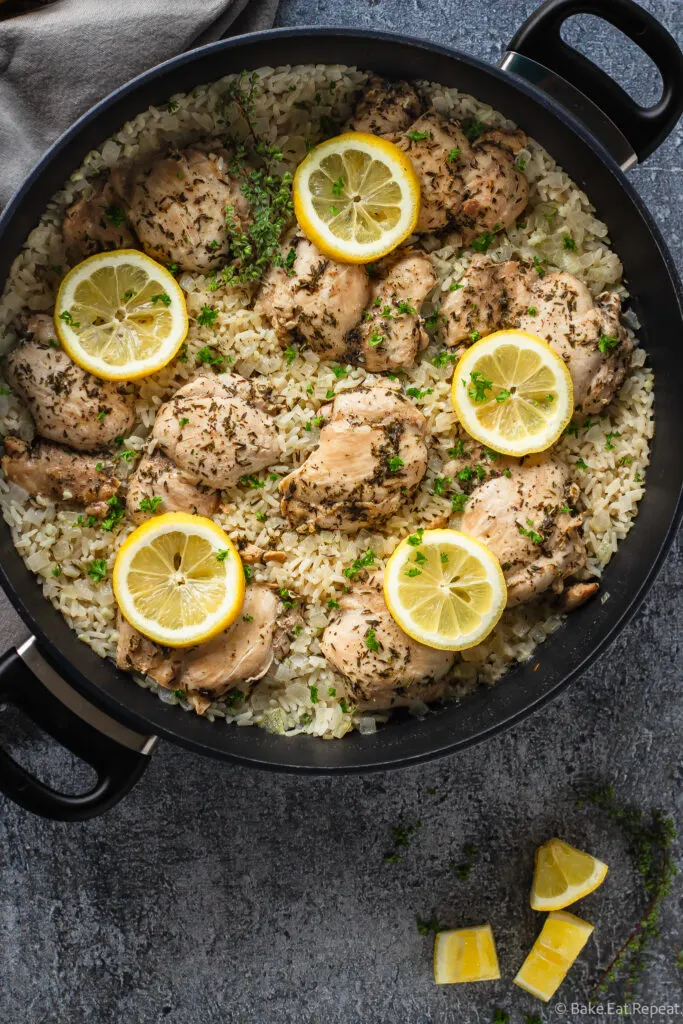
(512, 393)
(356, 197)
(468, 954)
(444, 589)
(121, 315)
(562, 938)
(178, 579)
(563, 875)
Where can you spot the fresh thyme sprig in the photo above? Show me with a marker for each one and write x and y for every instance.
(652, 848)
(255, 247)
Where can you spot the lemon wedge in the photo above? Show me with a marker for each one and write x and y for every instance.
(468, 954)
(121, 315)
(563, 875)
(444, 589)
(356, 197)
(512, 393)
(562, 938)
(178, 579)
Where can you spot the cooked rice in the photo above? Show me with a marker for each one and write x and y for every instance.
(294, 108)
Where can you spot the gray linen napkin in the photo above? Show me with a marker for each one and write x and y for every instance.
(58, 60)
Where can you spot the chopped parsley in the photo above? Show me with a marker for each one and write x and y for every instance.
(329, 393)
(66, 316)
(581, 464)
(371, 641)
(375, 339)
(57, 571)
(572, 429)
(332, 604)
(474, 335)
(338, 186)
(530, 532)
(313, 691)
(364, 562)
(150, 504)
(480, 385)
(182, 355)
(248, 572)
(503, 395)
(454, 155)
(183, 421)
(130, 294)
(287, 600)
(98, 569)
(339, 372)
(207, 316)
(415, 539)
(507, 473)
(455, 286)
(626, 460)
(415, 136)
(403, 306)
(458, 502)
(395, 463)
(252, 481)
(343, 705)
(222, 554)
(443, 358)
(609, 446)
(441, 485)
(538, 266)
(607, 343)
(290, 355)
(127, 455)
(569, 244)
(472, 128)
(466, 474)
(417, 393)
(163, 297)
(532, 311)
(482, 243)
(116, 215)
(209, 356)
(115, 515)
(102, 413)
(334, 211)
(457, 450)
(332, 692)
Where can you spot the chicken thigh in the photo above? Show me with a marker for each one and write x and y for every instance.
(54, 472)
(217, 429)
(97, 223)
(178, 205)
(67, 403)
(557, 307)
(395, 670)
(371, 458)
(385, 108)
(318, 302)
(391, 333)
(158, 486)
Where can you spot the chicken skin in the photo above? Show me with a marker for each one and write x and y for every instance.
(156, 477)
(556, 306)
(67, 403)
(318, 302)
(469, 187)
(395, 670)
(97, 223)
(235, 659)
(54, 472)
(522, 511)
(177, 206)
(391, 333)
(371, 458)
(217, 429)
(385, 108)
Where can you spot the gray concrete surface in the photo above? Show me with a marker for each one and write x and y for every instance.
(215, 894)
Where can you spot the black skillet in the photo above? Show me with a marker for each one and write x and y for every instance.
(595, 131)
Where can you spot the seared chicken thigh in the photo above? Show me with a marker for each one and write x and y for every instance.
(245, 651)
(55, 472)
(395, 670)
(385, 108)
(67, 403)
(217, 429)
(469, 187)
(556, 306)
(391, 334)
(157, 477)
(316, 304)
(234, 659)
(177, 205)
(96, 223)
(371, 458)
(527, 521)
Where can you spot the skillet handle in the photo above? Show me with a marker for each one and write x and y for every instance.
(628, 131)
(118, 754)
